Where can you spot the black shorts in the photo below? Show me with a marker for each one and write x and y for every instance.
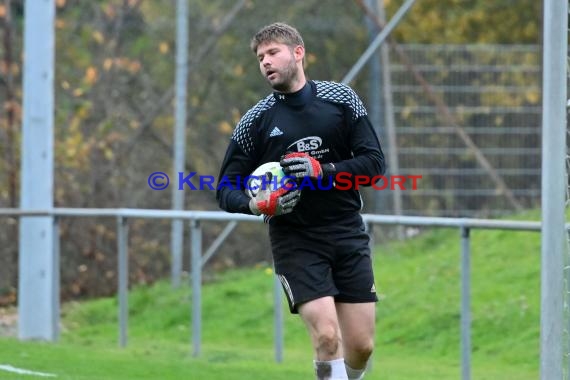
(314, 262)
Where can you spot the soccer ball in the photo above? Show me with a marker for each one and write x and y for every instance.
(255, 182)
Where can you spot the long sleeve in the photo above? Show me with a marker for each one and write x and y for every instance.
(229, 191)
(240, 160)
(368, 158)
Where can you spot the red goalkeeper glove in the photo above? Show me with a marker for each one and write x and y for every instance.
(276, 202)
(300, 165)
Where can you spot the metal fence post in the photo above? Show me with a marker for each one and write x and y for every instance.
(123, 268)
(56, 278)
(278, 319)
(196, 261)
(180, 115)
(554, 183)
(465, 305)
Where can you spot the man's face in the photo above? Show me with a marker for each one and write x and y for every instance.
(279, 64)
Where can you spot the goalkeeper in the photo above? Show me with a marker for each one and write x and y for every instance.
(320, 248)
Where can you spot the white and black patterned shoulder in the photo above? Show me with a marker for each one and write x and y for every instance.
(343, 94)
(242, 135)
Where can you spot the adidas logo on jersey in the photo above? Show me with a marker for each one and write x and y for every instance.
(373, 289)
(276, 132)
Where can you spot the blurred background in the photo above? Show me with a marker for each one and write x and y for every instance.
(455, 97)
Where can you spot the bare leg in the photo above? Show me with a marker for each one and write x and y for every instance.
(357, 325)
(322, 323)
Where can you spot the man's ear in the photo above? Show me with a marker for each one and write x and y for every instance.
(299, 52)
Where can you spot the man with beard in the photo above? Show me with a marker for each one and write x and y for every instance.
(320, 249)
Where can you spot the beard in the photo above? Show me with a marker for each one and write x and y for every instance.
(286, 77)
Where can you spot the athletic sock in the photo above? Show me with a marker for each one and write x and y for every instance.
(330, 369)
(354, 374)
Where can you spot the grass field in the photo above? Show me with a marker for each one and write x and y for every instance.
(417, 323)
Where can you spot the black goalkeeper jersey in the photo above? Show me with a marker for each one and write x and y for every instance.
(326, 120)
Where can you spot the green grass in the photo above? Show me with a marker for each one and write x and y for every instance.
(417, 327)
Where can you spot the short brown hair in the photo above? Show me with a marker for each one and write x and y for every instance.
(277, 32)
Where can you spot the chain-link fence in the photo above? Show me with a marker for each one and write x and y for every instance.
(468, 121)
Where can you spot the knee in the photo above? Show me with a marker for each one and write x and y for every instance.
(328, 340)
(362, 349)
